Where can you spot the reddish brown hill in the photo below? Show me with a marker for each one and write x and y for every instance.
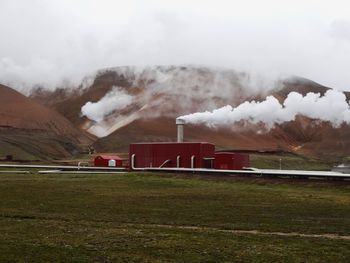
(30, 130)
(162, 94)
(314, 138)
(302, 136)
(156, 85)
(69, 101)
(164, 130)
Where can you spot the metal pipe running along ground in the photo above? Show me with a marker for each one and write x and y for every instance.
(80, 172)
(64, 167)
(251, 171)
(257, 172)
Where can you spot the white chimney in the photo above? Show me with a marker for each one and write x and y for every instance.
(180, 130)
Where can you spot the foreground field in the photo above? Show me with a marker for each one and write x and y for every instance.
(291, 161)
(168, 218)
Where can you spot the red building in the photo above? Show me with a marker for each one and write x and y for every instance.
(231, 161)
(108, 161)
(184, 154)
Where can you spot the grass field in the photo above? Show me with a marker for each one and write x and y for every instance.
(172, 218)
(290, 161)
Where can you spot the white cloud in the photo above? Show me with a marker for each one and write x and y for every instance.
(340, 29)
(47, 42)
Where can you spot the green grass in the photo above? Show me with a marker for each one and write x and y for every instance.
(16, 151)
(346, 160)
(120, 218)
(289, 162)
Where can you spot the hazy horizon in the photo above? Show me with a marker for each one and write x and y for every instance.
(54, 42)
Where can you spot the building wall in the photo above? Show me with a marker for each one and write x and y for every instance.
(103, 162)
(231, 161)
(155, 154)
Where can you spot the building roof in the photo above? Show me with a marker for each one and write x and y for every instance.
(109, 157)
(230, 153)
(172, 143)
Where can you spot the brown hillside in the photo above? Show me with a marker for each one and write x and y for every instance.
(69, 101)
(303, 136)
(164, 93)
(164, 130)
(30, 130)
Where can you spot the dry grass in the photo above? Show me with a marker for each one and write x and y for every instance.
(121, 218)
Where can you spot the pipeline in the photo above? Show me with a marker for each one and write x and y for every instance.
(192, 161)
(247, 171)
(165, 162)
(178, 161)
(63, 167)
(79, 172)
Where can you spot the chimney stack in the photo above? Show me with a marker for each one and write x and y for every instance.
(180, 130)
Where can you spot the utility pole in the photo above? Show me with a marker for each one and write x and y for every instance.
(280, 163)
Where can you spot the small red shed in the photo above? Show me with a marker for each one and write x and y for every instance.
(108, 161)
(231, 161)
(172, 154)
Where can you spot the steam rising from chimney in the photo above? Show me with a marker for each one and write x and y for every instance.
(162, 87)
(332, 107)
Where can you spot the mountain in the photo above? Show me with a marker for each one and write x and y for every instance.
(160, 94)
(29, 130)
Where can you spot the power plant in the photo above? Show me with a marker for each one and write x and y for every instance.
(180, 156)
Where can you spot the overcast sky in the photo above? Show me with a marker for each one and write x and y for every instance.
(46, 42)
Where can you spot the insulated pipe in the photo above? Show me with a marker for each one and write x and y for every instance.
(79, 172)
(178, 161)
(260, 172)
(192, 161)
(164, 163)
(14, 172)
(180, 130)
(133, 164)
(80, 164)
(65, 167)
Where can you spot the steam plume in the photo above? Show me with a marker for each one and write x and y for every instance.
(114, 100)
(162, 87)
(332, 107)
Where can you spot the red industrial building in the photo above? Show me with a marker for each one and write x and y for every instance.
(231, 161)
(108, 161)
(184, 154)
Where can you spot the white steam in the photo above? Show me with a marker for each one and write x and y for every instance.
(114, 100)
(332, 107)
(169, 91)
